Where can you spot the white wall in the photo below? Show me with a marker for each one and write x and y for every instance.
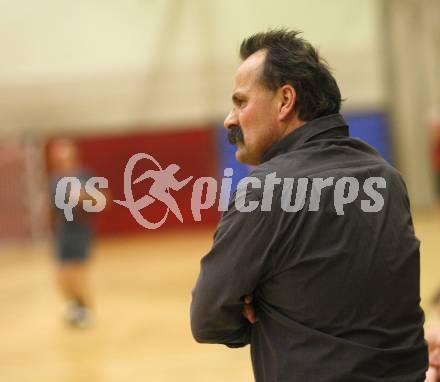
(90, 65)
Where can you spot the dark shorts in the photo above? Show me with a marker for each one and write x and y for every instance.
(73, 245)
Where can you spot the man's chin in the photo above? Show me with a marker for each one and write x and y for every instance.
(240, 153)
(243, 156)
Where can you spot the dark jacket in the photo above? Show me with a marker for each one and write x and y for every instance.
(336, 295)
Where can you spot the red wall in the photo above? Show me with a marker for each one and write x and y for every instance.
(194, 150)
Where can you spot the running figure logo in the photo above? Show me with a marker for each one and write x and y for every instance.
(163, 181)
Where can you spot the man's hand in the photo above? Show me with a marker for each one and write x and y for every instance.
(248, 309)
(433, 374)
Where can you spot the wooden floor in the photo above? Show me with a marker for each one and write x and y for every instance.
(142, 287)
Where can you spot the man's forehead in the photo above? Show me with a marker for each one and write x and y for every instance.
(250, 69)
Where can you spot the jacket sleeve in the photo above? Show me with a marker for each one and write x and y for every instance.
(232, 269)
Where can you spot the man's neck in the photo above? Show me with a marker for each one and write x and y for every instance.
(292, 125)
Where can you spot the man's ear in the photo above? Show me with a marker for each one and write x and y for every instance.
(287, 95)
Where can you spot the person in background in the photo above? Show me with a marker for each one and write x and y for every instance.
(73, 239)
(433, 336)
(434, 140)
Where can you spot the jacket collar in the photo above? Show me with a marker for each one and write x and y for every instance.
(333, 125)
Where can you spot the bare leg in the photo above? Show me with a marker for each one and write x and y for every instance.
(73, 283)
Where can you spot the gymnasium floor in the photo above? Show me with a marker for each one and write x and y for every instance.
(143, 289)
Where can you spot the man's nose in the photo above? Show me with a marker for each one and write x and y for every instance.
(230, 120)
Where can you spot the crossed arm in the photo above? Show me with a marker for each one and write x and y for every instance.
(221, 308)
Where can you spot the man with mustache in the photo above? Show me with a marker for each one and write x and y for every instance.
(318, 296)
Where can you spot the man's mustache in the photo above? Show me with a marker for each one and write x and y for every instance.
(235, 135)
